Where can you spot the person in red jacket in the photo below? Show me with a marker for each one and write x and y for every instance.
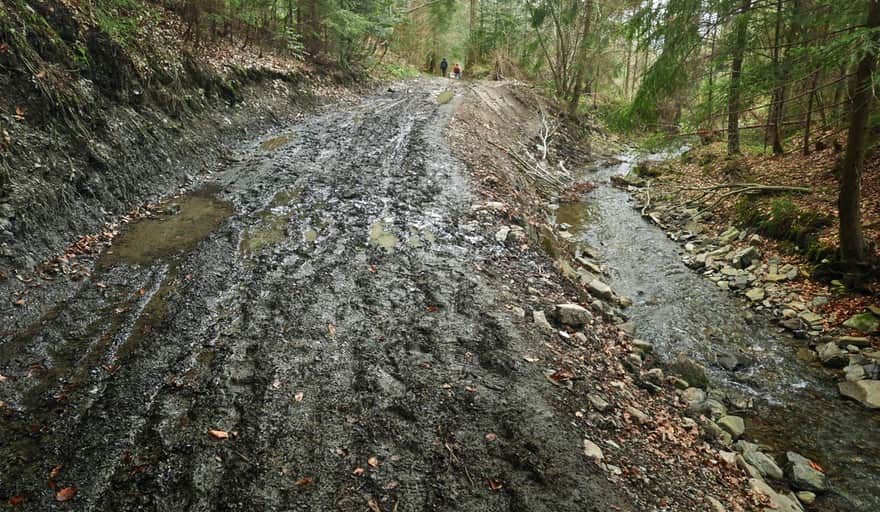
(456, 70)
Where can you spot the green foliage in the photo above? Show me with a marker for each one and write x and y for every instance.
(122, 19)
(783, 221)
(386, 70)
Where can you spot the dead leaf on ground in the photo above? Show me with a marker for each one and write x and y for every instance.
(20, 302)
(219, 434)
(531, 359)
(358, 471)
(299, 396)
(373, 269)
(817, 467)
(56, 471)
(495, 485)
(19, 113)
(306, 480)
(431, 308)
(16, 501)
(101, 285)
(470, 389)
(331, 329)
(491, 436)
(65, 494)
(561, 375)
(446, 386)
(373, 461)
(374, 506)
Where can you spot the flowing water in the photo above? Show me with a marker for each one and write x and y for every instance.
(795, 406)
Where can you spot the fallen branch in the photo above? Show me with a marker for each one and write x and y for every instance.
(748, 188)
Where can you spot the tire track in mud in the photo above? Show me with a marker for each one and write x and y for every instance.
(349, 274)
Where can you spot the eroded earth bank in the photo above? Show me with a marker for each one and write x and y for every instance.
(338, 319)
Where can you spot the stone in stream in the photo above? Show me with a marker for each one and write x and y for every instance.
(864, 322)
(806, 497)
(644, 346)
(755, 294)
(727, 361)
(593, 451)
(689, 370)
(727, 270)
(810, 317)
(638, 415)
(713, 431)
(802, 475)
(729, 235)
(763, 463)
(694, 396)
(831, 355)
(541, 321)
(858, 341)
(600, 289)
(734, 425)
(865, 391)
(854, 372)
(716, 505)
(778, 502)
(598, 402)
(573, 314)
(744, 257)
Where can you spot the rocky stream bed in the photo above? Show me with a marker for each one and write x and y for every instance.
(772, 373)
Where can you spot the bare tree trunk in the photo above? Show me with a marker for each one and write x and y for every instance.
(581, 66)
(852, 243)
(733, 97)
(711, 99)
(628, 63)
(809, 121)
(775, 118)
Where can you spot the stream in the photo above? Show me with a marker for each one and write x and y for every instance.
(789, 405)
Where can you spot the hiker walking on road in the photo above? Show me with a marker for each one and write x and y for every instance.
(456, 71)
(443, 67)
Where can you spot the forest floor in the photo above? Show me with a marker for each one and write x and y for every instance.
(332, 321)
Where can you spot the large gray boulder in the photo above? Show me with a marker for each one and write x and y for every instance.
(763, 463)
(832, 356)
(573, 314)
(802, 475)
(689, 370)
(866, 322)
(865, 391)
(599, 289)
(744, 257)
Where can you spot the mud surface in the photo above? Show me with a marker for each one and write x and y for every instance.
(337, 315)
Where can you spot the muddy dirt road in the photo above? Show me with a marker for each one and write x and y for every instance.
(327, 299)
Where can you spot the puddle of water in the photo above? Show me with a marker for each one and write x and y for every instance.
(380, 237)
(272, 230)
(275, 143)
(576, 214)
(274, 219)
(143, 242)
